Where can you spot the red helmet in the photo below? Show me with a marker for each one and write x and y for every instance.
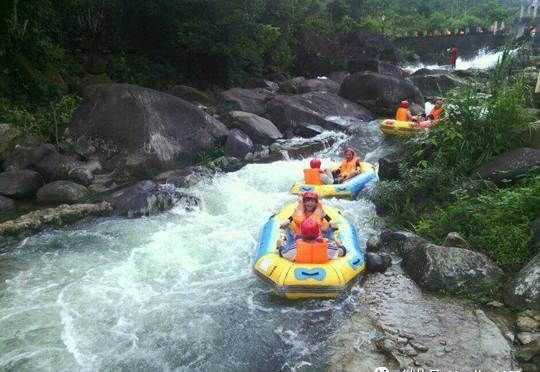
(349, 149)
(310, 195)
(404, 104)
(315, 163)
(310, 229)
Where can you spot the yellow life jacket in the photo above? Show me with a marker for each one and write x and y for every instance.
(312, 251)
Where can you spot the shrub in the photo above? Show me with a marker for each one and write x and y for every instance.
(496, 223)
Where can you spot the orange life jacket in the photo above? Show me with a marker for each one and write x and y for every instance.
(402, 114)
(347, 167)
(436, 113)
(312, 176)
(315, 251)
(299, 216)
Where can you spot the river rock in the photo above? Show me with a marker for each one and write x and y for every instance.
(52, 217)
(379, 93)
(374, 65)
(192, 95)
(238, 144)
(3, 241)
(60, 192)
(374, 244)
(450, 269)
(427, 71)
(524, 290)
(300, 85)
(287, 112)
(26, 154)
(260, 130)
(362, 44)
(54, 166)
(453, 336)
(248, 100)
(401, 242)
(453, 239)
(338, 76)
(436, 85)
(316, 52)
(10, 136)
(20, 183)
(141, 131)
(377, 262)
(6, 203)
(509, 165)
(389, 167)
(147, 198)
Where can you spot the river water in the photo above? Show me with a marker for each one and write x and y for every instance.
(173, 292)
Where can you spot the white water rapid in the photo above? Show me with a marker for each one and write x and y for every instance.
(173, 292)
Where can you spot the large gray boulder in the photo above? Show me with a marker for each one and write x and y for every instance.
(146, 198)
(20, 183)
(6, 203)
(248, 100)
(451, 269)
(436, 85)
(374, 65)
(193, 95)
(509, 165)
(362, 44)
(524, 290)
(401, 242)
(140, 130)
(300, 85)
(238, 144)
(260, 130)
(60, 192)
(289, 112)
(26, 154)
(379, 93)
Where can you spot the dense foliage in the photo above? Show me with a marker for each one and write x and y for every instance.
(435, 194)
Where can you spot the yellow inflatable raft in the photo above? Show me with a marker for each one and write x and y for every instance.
(347, 189)
(392, 127)
(294, 280)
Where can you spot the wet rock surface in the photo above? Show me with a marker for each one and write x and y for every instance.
(20, 183)
(147, 198)
(62, 215)
(259, 129)
(287, 112)
(403, 328)
(524, 290)
(59, 192)
(509, 165)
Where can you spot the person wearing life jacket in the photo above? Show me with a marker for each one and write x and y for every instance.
(434, 117)
(453, 56)
(311, 247)
(349, 168)
(308, 207)
(316, 176)
(436, 112)
(403, 113)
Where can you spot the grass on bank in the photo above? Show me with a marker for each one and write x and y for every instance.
(435, 193)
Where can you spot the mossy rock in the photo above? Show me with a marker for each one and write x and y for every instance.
(10, 136)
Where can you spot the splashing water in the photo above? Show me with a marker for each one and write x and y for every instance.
(172, 292)
(485, 59)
